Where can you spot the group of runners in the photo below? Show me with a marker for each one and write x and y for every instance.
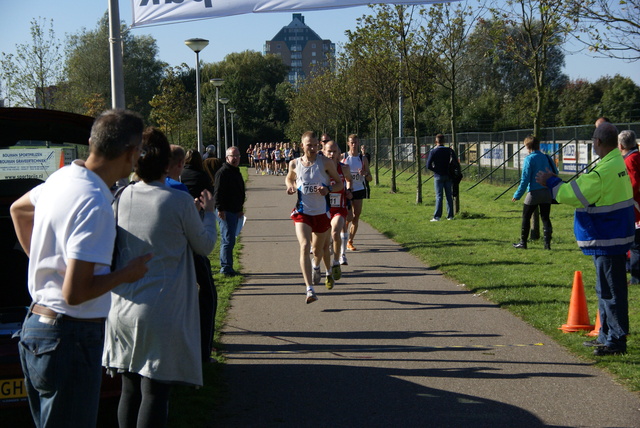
(271, 158)
(330, 189)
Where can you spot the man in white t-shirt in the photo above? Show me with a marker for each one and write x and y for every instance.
(67, 228)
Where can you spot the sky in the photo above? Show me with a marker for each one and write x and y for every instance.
(229, 34)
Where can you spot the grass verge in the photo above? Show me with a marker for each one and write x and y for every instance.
(476, 249)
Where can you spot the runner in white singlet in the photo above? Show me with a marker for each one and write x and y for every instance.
(309, 178)
(359, 172)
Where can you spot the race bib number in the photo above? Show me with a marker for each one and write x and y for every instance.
(334, 199)
(310, 188)
(355, 177)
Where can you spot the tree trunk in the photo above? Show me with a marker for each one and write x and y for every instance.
(416, 142)
(454, 144)
(394, 188)
(376, 151)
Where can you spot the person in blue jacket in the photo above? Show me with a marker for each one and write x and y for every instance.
(538, 195)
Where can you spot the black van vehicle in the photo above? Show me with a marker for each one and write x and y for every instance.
(33, 144)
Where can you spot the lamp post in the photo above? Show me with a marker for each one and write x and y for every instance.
(197, 45)
(217, 82)
(224, 102)
(232, 110)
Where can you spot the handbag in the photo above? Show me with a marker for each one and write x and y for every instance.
(455, 172)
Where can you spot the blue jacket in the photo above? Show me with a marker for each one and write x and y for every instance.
(604, 221)
(536, 161)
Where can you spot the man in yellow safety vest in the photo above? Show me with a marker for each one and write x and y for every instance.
(604, 227)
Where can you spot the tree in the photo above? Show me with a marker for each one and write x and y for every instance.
(312, 106)
(415, 73)
(448, 30)
(579, 103)
(32, 73)
(612, 28)
(619, 98)
(527, 30)
(371, 49)
(88, 68)
(254, 85)
(172, 105)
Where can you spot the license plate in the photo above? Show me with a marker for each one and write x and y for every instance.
(12, 389)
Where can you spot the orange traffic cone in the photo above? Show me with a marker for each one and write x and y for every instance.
(578, 318)
(596, 329)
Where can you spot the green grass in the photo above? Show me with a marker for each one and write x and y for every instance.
(476, 250)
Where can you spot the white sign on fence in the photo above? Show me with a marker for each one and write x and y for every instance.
(490, 155)
(575, 155)
(29, 163)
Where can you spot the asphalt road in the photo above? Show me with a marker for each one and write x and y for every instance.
(393, 344)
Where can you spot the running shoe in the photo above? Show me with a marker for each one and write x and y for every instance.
(343, 260)
(316, 277)
(311, 296)
(350, 246)
(336, 272)
(329, 282)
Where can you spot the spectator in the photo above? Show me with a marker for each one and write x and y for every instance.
(209, 152)
(69, 273)
(207, 293)
(629, 149)
(153, 332)
(229, 195)
(363, 152)
(176, 166)
(211, 167)
(604, 229)
(193, 175)
(439, 161)
(538, 195)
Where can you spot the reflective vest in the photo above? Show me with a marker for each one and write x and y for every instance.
(604, 221)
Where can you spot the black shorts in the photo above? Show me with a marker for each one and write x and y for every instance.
(359, 194)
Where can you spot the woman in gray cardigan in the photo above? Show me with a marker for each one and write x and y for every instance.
(153, 328)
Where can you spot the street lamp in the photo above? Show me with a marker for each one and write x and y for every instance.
(224, 102)
(217, 82)
(232, 111)
(197, 45)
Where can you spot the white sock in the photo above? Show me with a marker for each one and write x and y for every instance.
(345, 237)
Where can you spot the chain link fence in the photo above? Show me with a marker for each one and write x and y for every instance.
(495, 157)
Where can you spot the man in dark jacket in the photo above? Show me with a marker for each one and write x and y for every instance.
(229, 196)
(440, 157)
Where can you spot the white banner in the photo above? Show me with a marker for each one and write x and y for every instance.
(149, 12)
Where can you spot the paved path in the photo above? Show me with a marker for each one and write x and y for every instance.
(393, 344)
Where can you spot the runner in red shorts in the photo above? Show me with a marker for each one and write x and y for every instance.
(338, 202)
(309, 177)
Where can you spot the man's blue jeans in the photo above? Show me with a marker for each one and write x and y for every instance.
(61, 361)
(613, 302)
(228, 228)
(441, 183)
